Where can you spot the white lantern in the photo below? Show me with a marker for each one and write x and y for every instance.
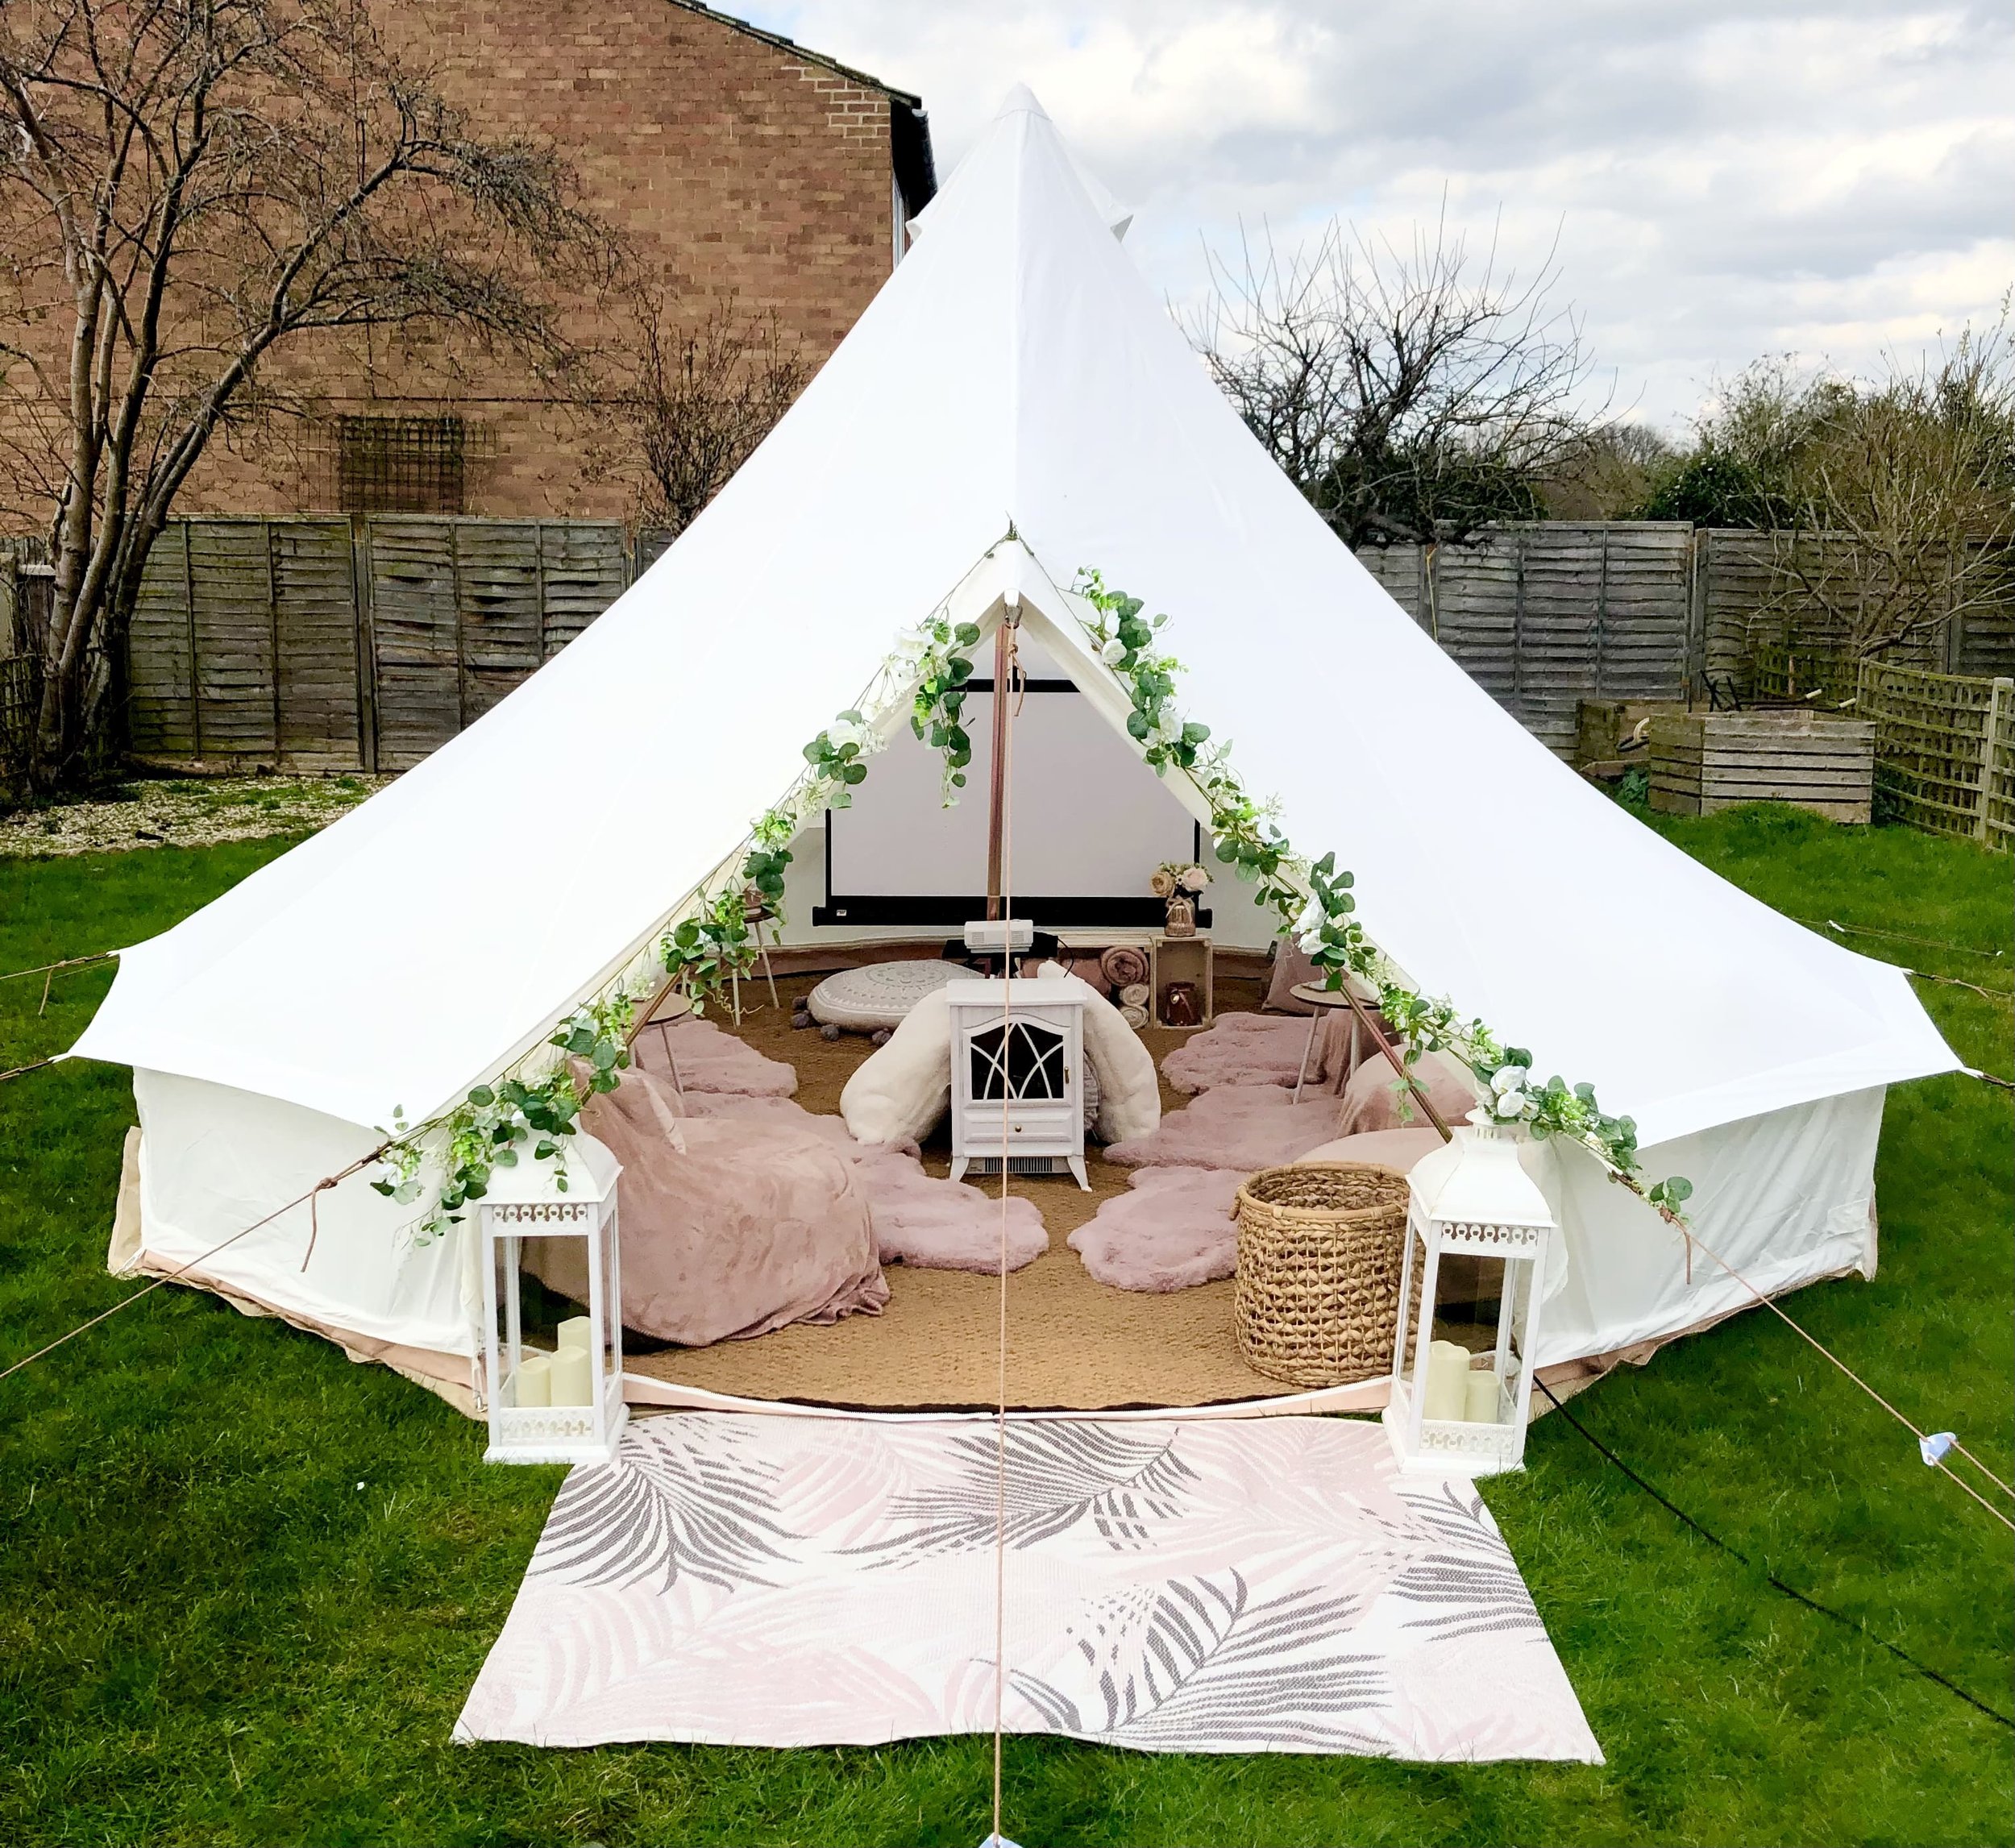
(1471, 1198)
(1018, 1075)
(565, 1407)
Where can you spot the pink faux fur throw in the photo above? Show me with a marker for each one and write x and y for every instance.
(730, 1228)
(927, 1223)
(1371, 1101)
(711, 1060)
(1242, 1049)
(1172, 1230)
(1243, 1126)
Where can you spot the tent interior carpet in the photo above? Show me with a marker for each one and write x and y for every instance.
(1192, 1586)
(1072, 1342)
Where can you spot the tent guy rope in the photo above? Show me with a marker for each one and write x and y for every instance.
(321, 1186)
(1770, 1578)
(1692, 1239)
(1000, 869)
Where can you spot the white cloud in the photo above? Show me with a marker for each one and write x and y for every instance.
(1724, 179)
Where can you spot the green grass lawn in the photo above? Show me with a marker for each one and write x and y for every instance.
(246, 1584)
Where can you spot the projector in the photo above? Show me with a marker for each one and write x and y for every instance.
(1000, 937)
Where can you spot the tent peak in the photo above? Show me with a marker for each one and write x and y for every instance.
(1020, 100)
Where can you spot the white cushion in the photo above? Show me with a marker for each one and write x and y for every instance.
(901, 1092)
(1129, 1090)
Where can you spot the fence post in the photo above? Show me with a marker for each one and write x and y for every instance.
(195, 671)
(1997, 703)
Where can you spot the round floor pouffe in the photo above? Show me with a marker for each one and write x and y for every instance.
(1316, 1297)
(878, 995)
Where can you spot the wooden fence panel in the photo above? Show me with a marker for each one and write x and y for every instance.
(584, 566)
(1544, 617)
(416, 649)
(164, 715)
(496, 584)
(1942, 763)
(230, 589)
(315, 622)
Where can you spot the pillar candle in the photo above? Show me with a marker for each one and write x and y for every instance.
(577, 1331)
(534, 1380)
(1482, 1407)
(573, 1378)
(1447, 1395)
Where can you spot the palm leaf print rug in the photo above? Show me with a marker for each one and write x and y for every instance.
(1199, 1585)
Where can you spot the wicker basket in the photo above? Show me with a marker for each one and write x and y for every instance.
(1317, 1296)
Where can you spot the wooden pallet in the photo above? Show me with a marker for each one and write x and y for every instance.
(1705, 761)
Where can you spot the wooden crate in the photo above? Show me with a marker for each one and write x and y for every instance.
(1705, 761)
(1181, 959)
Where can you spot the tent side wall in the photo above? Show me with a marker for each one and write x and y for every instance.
(214, 1161)
(1787, 1199)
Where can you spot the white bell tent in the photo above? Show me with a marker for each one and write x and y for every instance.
(1014, 376)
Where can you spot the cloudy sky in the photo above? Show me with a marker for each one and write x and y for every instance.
(1834, 179)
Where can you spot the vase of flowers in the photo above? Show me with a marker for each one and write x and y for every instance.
(1177, 883)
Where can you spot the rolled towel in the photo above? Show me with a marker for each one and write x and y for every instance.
(1134, 994)
(1123, 965)
(1136, 1017)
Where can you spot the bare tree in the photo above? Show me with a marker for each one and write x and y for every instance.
(1894, 500)
(1410, 394)
(187, 188)
(705, 394)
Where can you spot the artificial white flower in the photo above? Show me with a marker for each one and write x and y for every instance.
(845, 732)
(1511, 1105)
(1507, 1078)
(1113, 653)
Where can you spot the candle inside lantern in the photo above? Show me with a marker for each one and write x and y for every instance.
(1481, 1408)
(573, 1378)
(577, 1331)
(1447, 1393)
(534, 1380)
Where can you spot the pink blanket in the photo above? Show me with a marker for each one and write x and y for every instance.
(731, 1226)
(1244, 1126)
(918, 1220)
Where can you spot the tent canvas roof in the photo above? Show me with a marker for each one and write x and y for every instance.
(1015, 369)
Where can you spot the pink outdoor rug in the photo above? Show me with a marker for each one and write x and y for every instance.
(1205, 1585)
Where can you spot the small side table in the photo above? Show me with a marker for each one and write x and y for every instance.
(669, 1008)
(1322, 999)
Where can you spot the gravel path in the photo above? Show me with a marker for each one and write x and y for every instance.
(185, 811)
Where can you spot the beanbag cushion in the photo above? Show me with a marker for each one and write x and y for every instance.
(1372, 1099)
(731, 1226)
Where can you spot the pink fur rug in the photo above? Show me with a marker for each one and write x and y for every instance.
(1176, 1227)
(1240, 1049)
(710, 1060)
(1172, 1230)
(1243, 1126)
(918, 1220)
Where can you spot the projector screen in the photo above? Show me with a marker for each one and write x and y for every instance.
(1087, 823)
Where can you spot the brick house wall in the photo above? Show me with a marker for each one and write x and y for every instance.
(730, 159)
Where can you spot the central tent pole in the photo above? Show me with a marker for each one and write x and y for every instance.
(997, 794)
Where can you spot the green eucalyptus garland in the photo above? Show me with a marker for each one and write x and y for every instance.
(705, 949)
(1315, 904)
